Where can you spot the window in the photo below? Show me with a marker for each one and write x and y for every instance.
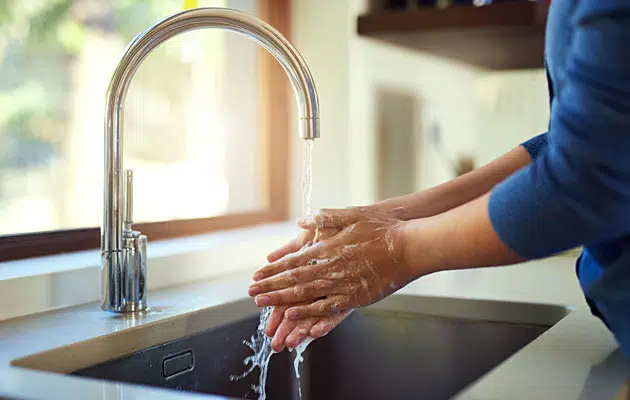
(201, 116)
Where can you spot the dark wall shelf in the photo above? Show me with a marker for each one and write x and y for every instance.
(503, 35)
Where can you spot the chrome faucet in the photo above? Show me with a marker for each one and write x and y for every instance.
(123, 250)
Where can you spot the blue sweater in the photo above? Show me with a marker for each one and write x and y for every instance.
(576, 191)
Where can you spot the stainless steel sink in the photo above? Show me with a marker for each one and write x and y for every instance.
(404, 347)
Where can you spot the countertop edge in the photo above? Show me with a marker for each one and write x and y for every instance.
(559, 364)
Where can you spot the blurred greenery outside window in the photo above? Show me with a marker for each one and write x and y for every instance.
(184, 130)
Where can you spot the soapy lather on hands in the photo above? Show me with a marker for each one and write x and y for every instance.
(344, 259)
(291, 333)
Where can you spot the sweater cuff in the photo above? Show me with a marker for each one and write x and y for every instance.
(522, 211)
(536, 145)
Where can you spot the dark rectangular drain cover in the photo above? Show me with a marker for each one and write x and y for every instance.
(177, 364)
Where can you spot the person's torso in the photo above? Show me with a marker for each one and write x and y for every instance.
(604, 268)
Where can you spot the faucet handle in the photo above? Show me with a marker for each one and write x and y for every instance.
(134, 253)
(128, 220)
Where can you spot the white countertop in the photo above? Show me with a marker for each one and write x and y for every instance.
(577, 359)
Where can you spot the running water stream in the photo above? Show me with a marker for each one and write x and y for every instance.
(307, 198)
(260, 343)
(307, 178)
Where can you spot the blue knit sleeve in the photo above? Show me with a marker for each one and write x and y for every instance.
(577, 192)
(536, 145)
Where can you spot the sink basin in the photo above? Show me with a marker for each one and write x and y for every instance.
(403, 347)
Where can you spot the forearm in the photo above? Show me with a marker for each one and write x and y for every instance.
(457, 239)
(456, 192)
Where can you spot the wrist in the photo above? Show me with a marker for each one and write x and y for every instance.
(415, 244)
(384, 207)
(406, 256)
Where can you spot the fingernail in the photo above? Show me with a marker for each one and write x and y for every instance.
(322, 330)
(275, 346)
(254, 290)
(269, 332)
(263, 301)
(301, 221)
(258, 276)
(293, 314)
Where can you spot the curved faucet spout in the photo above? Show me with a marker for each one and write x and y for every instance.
(118, 279)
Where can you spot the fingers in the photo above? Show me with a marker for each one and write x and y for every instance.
(279, 338)
(281, 281)
(290, 295)
(299, 242)
(287, 263)
(292, 333)
(288, 248)
(323, 234)
(294, 245)
(325, 325)
(328, 307)
(300, 333)
(276, 262)
(277, 315)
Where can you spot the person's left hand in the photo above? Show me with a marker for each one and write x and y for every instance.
(354, 268)
(290, 333)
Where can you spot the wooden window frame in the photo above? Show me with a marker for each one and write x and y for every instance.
(275, 116)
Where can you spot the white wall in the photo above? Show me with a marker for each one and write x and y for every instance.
(444, 92)
(511, 107)
(480, 113)
(320, 32)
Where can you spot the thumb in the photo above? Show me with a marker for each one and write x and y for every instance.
(323, 234)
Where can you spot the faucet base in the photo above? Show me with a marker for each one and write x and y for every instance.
(134, 307)
(123, 276)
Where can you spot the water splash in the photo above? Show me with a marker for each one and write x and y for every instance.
(260, 344)
(299, 350)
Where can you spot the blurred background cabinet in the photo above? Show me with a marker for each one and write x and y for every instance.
(502, 35)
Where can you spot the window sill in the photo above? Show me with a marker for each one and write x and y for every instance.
(44, 283)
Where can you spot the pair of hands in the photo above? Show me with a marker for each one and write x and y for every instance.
(342, 260)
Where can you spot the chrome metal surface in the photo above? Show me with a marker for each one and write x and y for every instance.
(114, 255)
(134, 271)
(128, 200)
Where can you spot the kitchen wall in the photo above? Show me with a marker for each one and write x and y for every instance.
(477, 113)
(511, 107)
(321, 32)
